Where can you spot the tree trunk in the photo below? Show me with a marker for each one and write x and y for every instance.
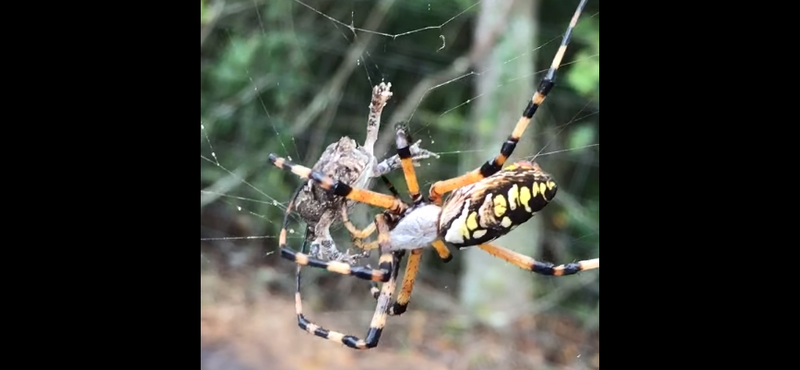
(492, 290)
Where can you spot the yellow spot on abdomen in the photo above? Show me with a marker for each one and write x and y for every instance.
(499, 205)
(472, 221)
(478, 234)
(551, 185)
(542, 189)
(506, 222)
(464, 231)
(513, 197)
(525, 197)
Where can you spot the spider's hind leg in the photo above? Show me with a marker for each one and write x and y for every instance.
(384, 297)
(381, 274)
(545, 268)
(400, 305)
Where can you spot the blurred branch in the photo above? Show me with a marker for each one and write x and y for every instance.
(320, 131)
(459, 66)
(222, 186)
(240, 7)
(334, 85)
(410, 102)
(245, 95)
(214, 14)
(220, 10)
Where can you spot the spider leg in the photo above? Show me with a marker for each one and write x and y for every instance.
(400, 305)
(357, 237)
(390, 186)
(381, 274)
(404, 152)
(493, 165)
(381, 309)
(539, 267)
(442, 251)
(374, 289)
(393, 162)
(336, 187)
(410, 175)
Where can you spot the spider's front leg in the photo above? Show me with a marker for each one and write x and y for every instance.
(404, 152)
(339, 188)
(494, 165)
(400, 305)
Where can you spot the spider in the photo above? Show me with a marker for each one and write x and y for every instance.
(485, 204)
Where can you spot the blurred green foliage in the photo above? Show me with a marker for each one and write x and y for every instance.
(584, 76)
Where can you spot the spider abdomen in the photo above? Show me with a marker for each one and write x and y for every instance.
(492, 207)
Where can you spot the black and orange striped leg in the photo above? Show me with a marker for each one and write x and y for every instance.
(494, 165)
(381, 274)
(376, 326)
(404, 152)
(539, 267)
(381, 309)
(395, 205)
(390, 187)
(400, 305)
(403, 140)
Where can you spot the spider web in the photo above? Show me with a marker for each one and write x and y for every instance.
(243, 197)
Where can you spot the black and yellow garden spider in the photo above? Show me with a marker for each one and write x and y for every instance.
(484, 205)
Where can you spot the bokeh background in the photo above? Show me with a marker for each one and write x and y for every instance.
(282, 77)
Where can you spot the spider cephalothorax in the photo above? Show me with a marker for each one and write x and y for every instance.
(483, 205)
